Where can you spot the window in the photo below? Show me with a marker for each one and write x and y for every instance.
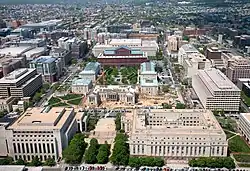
(44, 148)
(31, 148)
(35, 144)
(48, 148)
(23, 149)
(18, 148)
(14, 146)
(40, 148)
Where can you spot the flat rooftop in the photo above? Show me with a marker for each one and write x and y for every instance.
(92, 66)
(114, 88)
(174, 122)
(82, 81)
(125, 41)
(189, 48)
(148, 67)
(42, 118)
(246, 116)
(14, 50)
(44, 59)
(216, 80)
(16, 75)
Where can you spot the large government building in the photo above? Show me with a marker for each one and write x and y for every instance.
(216, 91)
(42, 132)
(174, 134)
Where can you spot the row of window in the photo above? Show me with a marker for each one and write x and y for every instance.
(33, 148)
(179, 138)
(30, 157)
(30, 135)
(33, 139)
(159, 150)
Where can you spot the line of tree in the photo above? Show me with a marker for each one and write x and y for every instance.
(213, 162)
(103, 154)
(118, 122)
(91, 152)
(145, 161)
(73, 154)
(120, 155)
(34, 162)
(180, 106)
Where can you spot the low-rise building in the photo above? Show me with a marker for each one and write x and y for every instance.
(81, 86)
(184, 51)
(148, 79)
(193, 63)
(150, 47)
(244, 125)
(174, 134)
(213, 53)
(41, 132)
(91, 71)
(64, 54)
(216, 91)
(122, 56)
(115, 93)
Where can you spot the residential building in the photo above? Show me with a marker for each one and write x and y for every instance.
(41, 132)
(148, 79)
(77, 47)
(174, 134)
(194, 62)
(244, 125)
(184, 51)
(173, 43)
(122, 56)
(91, 71)
(145, 36)
(238, 67)
(216, 91)
(112, 93)
(20, 83)
(81, 86)
(213, 53)
(64, 54)
(150, 47)
(49, 67)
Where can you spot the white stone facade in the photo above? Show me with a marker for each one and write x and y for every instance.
(175, 134)
(216, 91)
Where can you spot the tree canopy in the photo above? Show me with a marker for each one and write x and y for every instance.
(120, 155)
(145, 161)
(92, 151)
(74, 152)
(103, 154)
(118, 122)
(213, 162)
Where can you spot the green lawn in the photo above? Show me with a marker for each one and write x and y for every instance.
(60, 104)
(228, 134)
(53, 100)
(71, 96)
(75, 101)
(242, 157)
(237, 144)
(244, 165)
(245, 98)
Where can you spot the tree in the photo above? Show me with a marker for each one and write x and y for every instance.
(165, 88)
(50, 162)
(90, 155)
(103, 154)
(180, 106)
(118, 122)
(213, 162)
(120, 155)
(167, 106)
(20, 162)
(74, 152)
(6, 161)
(146, 161)
(74, 61)
(186, 38)
(36, 161)
(134, 162)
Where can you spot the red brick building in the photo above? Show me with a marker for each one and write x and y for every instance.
(122, 56)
